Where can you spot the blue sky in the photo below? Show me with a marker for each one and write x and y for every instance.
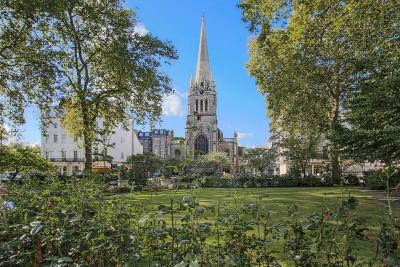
(240, 106)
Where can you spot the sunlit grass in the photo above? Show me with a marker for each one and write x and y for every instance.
(276, 200)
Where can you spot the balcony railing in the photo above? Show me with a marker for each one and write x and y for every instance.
(66, 159)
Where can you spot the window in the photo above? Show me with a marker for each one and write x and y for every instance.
(55, 125)
(55, 138)
(197, 105)
(63, 154)
(206, 105)
(122, 156)
(201, 145)
(201, 105)
(46, 138)
(75, 155)
(76, 139)
(76, 169)
(64, 170)
(96, 154)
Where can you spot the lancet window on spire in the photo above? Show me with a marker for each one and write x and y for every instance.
(201, 105)
(197, 105)
(206, 105)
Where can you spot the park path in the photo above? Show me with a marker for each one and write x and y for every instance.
(380, 195)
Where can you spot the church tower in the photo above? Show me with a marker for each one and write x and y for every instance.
(202, 134)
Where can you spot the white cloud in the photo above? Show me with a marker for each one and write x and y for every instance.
(172, 105)
(141, 29)
(242, 136)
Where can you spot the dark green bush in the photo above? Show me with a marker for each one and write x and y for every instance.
(377, 179)
(265, 181)
(351, 180)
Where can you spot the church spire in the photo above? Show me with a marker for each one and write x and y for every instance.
(203, 72)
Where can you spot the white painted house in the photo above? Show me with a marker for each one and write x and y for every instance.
(68, 154)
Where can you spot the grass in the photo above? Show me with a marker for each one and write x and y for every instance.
(308, 200)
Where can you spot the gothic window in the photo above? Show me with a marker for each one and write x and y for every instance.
(201, 145)
(201, 105)
(197, 105)
(206, 105)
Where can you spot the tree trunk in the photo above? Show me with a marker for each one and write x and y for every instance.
(336, 170)
(88, 153)
(335, 164)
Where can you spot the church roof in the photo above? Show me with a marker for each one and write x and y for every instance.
(203, 72)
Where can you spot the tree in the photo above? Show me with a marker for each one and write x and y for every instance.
(103, 141)
(370, 129)
(142, 166)
(320, 43)
(19, 159)
(300, 148)
(219, 161)
(103, 68)
(259, 160)
(24, 74)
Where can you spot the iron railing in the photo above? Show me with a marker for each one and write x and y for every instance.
(66, 159)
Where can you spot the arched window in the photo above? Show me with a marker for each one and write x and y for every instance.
(201, 145)
(206, 105)
(201, 105)
(197, 105)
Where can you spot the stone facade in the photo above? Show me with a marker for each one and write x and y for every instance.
(157, 141)
(202, 133)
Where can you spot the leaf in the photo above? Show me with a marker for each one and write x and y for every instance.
(35, 230)
(65, 260)
(181, 264)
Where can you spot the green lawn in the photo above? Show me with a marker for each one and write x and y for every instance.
(308, 201)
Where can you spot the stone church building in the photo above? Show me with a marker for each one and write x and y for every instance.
(202, 134)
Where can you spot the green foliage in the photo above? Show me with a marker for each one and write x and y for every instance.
(21, 82)
(377, 179)
(19, 159)
(142, 167)
(259, 160)
(265, 181)
(57, 223)
(218, 161)
(101, 67)
(318, 60)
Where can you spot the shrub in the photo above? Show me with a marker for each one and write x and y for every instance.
(377, 179)
(71, 224)
(265, 181)
(351, 180)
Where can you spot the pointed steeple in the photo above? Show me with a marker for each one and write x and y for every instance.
(203, 72)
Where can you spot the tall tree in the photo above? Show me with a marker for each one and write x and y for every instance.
(24, 75)
(102, 67)
(260, 160)
(371, 123)
(318, 43)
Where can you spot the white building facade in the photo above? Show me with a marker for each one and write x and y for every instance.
(68, 154)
